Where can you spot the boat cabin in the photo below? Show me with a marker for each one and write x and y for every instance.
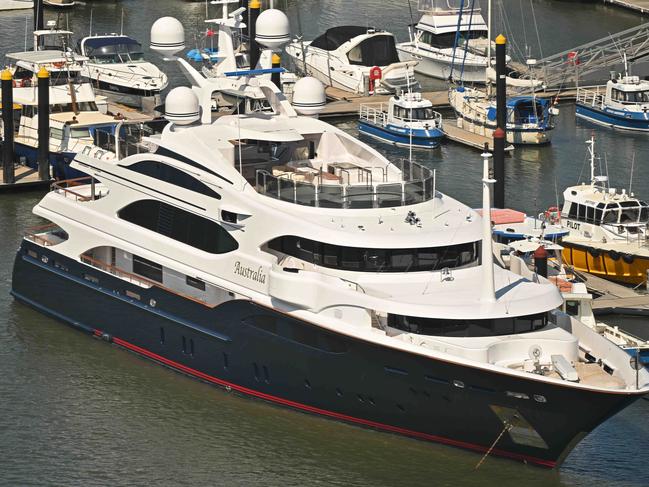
(626, 92)
(374, 48)
(111, 49)
(601, 206)
(438, 25)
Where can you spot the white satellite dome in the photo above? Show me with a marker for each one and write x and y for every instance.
(181, 106)
(167, 36)
(272, 29)
(309, 96)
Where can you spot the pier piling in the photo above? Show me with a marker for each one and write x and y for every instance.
(43, 124)
(38, 15)
(254, 9)
(8, 174)
(500, 134)
(276, 77)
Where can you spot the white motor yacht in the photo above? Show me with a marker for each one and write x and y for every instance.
(277, 256)
(16, 4)
(355, 59)
(117, 68)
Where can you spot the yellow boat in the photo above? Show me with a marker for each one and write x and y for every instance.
(608, 230)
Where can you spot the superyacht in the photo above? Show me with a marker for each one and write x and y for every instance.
(276, 256)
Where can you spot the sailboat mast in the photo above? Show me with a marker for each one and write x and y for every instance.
(486, 73)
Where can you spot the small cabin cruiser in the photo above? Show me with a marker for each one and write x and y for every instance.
(117, 68)
(623, 105)
(511, 225)
(609, 234)
(355, 59)
(407, 119)
(530, 119)
(448, 41)
(74, 115)
(16, 4)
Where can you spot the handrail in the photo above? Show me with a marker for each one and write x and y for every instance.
(111, 269)
(31, 233)
(59, 186)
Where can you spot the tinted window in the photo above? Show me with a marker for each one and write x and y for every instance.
(171, 175)
(377, 260)
(147, 268)
(179, 225)
(468, 328)
(161, 151)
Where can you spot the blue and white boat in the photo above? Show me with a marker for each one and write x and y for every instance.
(623, 105)
(407, 119)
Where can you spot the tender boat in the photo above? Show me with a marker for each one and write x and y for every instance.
(405, 120)
(511, 225)
(59, 4)
(608, 229)
(283, 259)
(530, 119)
(624, 104)
(355, 59)
(117, 68)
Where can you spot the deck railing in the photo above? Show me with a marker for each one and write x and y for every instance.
(42, 234)
(417, 185)
(594, 98)
(63, 187)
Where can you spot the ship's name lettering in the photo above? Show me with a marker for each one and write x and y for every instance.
(250, 273)
(573, 225)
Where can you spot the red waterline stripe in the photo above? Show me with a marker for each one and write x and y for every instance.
(324, 412)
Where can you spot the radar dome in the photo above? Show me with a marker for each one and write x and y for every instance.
(309, 96)
(167, 36)
(272, 29)
(181, 106)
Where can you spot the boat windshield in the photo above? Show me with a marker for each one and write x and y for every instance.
(447, 40)
(627, 212)
(378, 50)
(425, 113)
(114, 50)
(630, 96)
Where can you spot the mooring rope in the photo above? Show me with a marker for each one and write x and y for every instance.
(507, 427)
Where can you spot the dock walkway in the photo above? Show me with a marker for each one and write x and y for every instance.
(615, 298)
(641, 6)
(26, 178)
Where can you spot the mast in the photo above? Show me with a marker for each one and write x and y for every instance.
(488, 285)
(591, 151)
(486, 73)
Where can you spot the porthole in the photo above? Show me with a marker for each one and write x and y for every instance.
(458, 383)
(540, 398)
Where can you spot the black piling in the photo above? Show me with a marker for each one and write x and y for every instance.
(276, 77)
(8, 174)
(254, 9)
(244, 5)
(38, 15)
(541, 261)
(501, 122)
(43, 124)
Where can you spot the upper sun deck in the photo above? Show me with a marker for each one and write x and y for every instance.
(52, 60)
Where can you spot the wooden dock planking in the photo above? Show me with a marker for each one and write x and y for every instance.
(128, 114)
(26, 178)
(637, 302)
(461, 136)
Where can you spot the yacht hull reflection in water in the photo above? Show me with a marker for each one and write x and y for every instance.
(276, 255)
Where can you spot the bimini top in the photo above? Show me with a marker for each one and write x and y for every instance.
(335, 37)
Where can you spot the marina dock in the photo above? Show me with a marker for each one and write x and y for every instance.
(641, 6)
(615, 298)
(26, 178)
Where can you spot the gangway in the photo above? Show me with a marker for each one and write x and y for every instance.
(566, 68)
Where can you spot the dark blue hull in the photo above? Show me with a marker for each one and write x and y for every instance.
(262, 353)
(613, 118)
(59, 161)
(427, 139)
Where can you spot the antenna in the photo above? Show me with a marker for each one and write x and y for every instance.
(488, 285)
(121, 26)
(90, 34)
(631, 179)
(591, 151)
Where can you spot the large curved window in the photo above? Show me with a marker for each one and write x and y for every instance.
(377, 260)
(171, 175)
(468, 328)
(179, 225)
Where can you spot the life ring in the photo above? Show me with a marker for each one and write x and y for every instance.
(614, 255)
(58, 64)
(553, 214)
(628, 258)
(375, 75)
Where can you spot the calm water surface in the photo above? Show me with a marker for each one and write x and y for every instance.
(75, 411)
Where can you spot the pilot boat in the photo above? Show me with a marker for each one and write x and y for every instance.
(277, 256)
(355, 59)
(117, 68)
(405, 120)
(608, 229)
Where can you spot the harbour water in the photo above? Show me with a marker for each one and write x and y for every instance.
(76, 411)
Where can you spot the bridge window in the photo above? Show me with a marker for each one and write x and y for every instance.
(172, 175)
(180, 225)
(378, 260)
(468, 328)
